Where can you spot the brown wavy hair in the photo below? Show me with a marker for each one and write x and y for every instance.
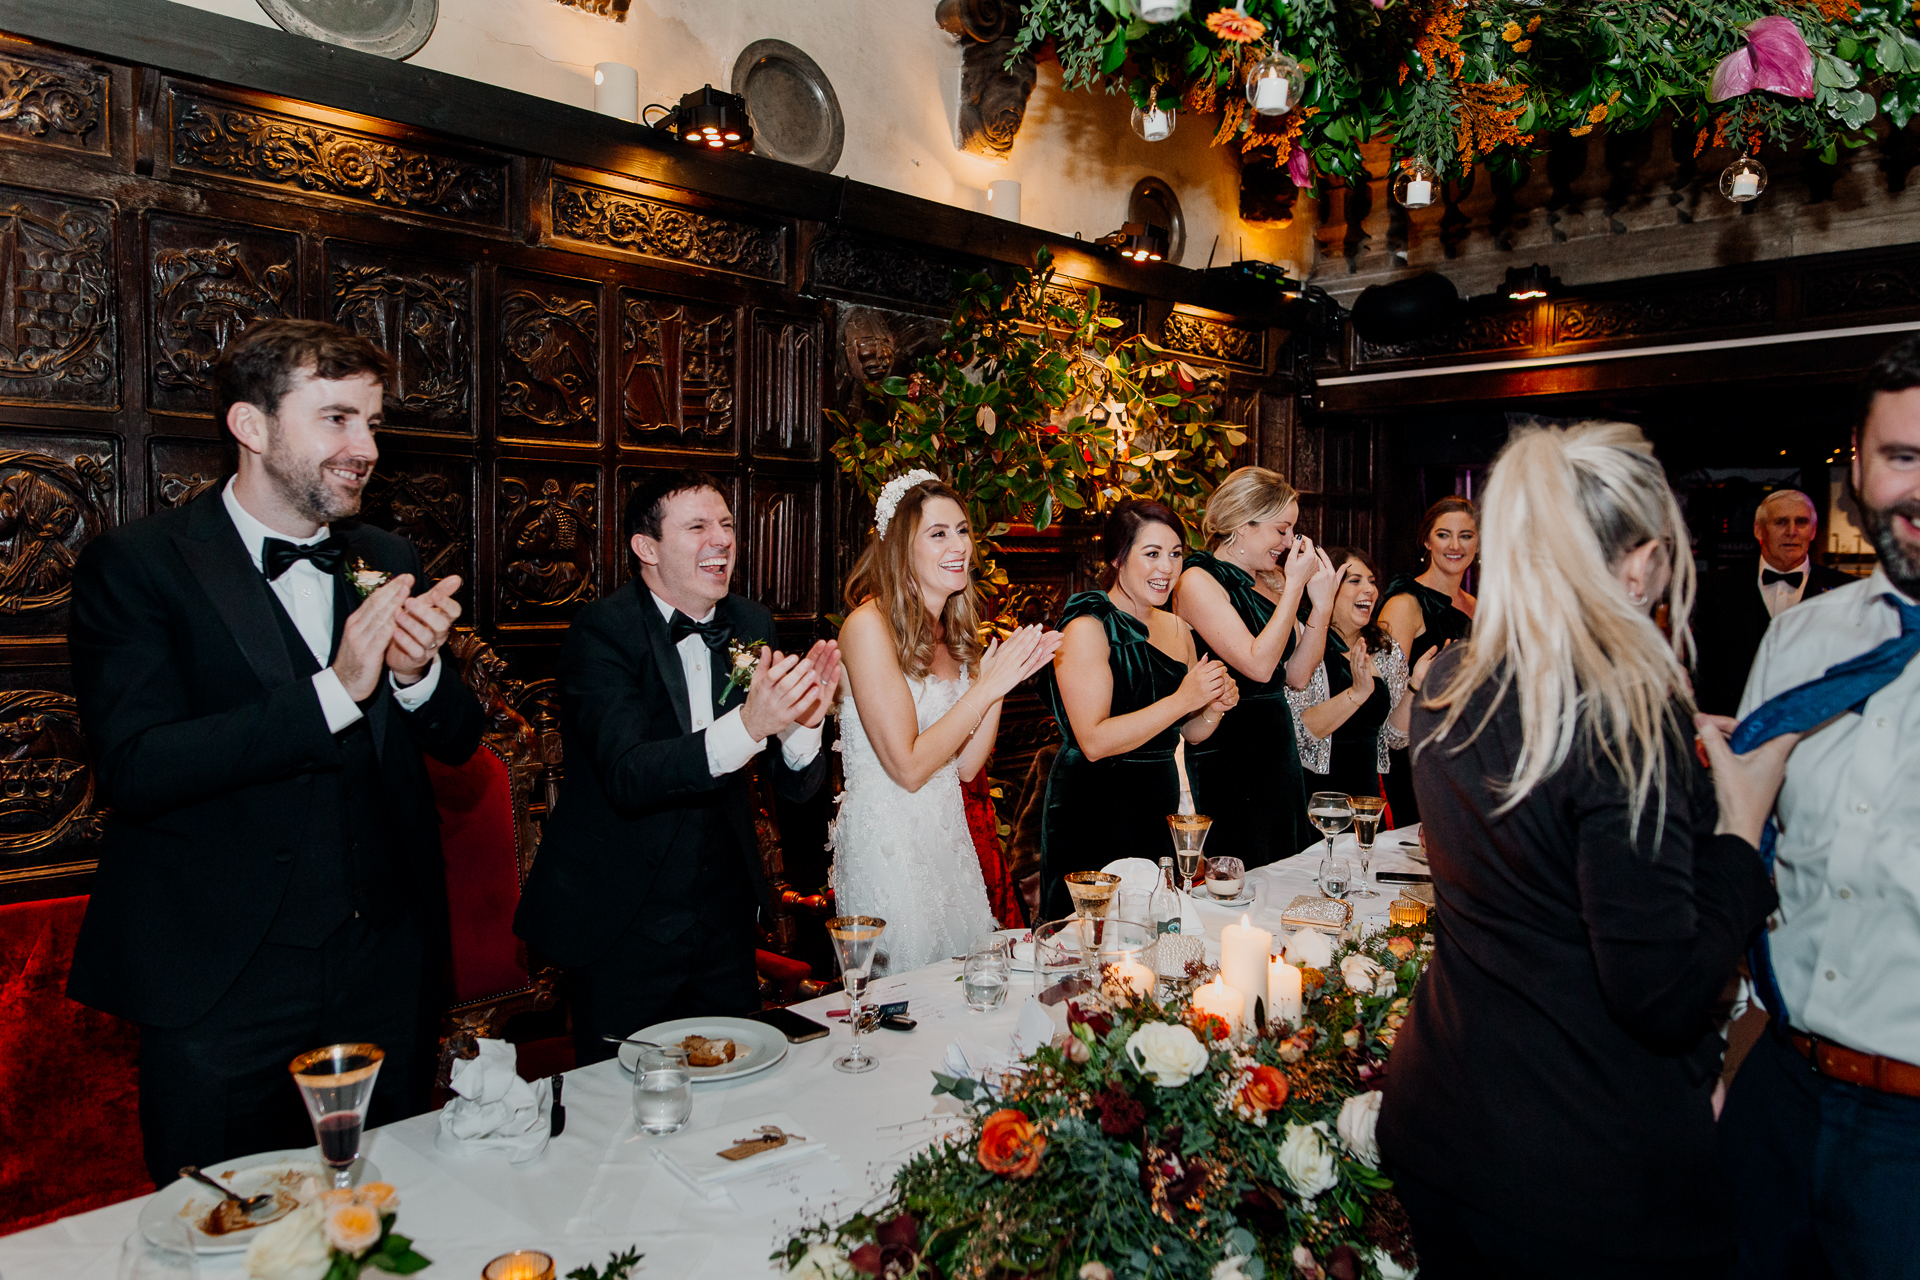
(1445, 507)
(884, 574)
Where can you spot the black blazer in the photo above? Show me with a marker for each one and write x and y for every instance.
(638, 809)
(1556, 1069)
(1729, 621)
(205, 746)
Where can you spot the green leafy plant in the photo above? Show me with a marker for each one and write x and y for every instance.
(619, 1266)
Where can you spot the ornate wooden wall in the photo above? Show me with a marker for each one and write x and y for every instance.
(565, 316)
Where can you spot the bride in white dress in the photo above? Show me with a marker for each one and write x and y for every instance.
(919, 708)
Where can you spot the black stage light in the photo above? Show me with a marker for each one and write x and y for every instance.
(1524, 284)
(707, 117)
(1140, 241)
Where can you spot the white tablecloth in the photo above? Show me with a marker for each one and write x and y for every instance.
(598, 1189)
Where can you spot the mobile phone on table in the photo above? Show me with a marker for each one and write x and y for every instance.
(797, 1028)
(1403, 877)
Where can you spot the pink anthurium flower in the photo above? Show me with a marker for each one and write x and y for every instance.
(1300, 167)
(1774, 58)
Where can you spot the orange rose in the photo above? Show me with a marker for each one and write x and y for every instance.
(1400, 946)
(1265, 1089)
(1010, 1146)
(1210, 1027)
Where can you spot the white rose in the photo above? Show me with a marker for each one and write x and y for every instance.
(822, 1262)
(1387, 985)
(1358, 1116)
(1358, 973)
(1095, 1270)
(1228, 1268)
(1308, 1160)
(294, 1248)
(1391, 1270)
(1168, 1052)
(1309, 947)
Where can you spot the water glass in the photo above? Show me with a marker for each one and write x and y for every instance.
(163, 1253)
(336, 1083)
(662, 1090)
(1336, 875)
(1330, 811)
(986, 973)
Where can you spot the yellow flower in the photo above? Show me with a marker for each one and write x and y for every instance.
(382, 1197)
(352, 1228)
(1510, 32)
(1521, 46)
(1580, 130)
(1598, 113)
(1533, 25)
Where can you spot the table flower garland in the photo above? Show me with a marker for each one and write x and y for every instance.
(335, 1235)
(1148, 1143)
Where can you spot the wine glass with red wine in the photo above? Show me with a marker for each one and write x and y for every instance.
(336, 1083)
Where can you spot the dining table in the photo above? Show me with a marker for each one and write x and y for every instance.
(599, 1189)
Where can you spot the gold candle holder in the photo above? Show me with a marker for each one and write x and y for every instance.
(521, 1264)
(1407, 912)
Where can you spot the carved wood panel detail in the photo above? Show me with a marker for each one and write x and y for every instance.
(1885, 287)
(678, 368)
(428, 500)
(1214, 339)
(181, 470)
(46, 782)
(421, 313)
(284, 151)
(55, 494)
(654, 229)
(546, 546)
(549, 358)
(206, 283)
(1645, 314)
(52, 102)
(1509, 329)
(57, 328)
(857, 264)
(783, 526)
(786, 383)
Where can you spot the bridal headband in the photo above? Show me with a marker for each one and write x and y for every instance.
(890, 497)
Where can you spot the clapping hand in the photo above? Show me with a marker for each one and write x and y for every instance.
(824, 659)
(1302, 561)
(785, 688)
(1418, 680)
(1007, 662)
(420, 627)
(1228, 700)
(367, 636)
(1208, 681)
(1324, 582)
(1363, 669)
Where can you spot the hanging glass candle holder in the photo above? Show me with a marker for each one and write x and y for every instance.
(1157, 11)
(1416, 185)
(1154, 123)
(1274, 84)
(1743, 180)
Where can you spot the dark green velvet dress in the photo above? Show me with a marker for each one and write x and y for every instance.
(1246, 776)
(1443, 623)
(1100, 810)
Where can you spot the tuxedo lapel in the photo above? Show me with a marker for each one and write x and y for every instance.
(666, 659)
(723, 659)
(217, 558)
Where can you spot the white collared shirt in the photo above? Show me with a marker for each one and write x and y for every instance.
(1782, 596)
(1846, 945)
(307, 594)
(729, 745)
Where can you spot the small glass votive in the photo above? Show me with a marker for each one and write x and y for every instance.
(1407, 912)
(521, 1264)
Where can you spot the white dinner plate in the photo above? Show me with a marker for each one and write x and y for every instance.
(757, 1046)
(277, 1171)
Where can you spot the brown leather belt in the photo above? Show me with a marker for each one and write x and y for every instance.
(1837, 1062)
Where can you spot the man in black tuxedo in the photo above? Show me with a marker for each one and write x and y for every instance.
(1734, 607)
(649, 878)
(270, 879)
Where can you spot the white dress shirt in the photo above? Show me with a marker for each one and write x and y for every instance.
(1846, 940)
(729, 745)
(1782, 596)
(307, 594)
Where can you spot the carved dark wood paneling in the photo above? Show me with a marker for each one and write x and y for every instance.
(1659, 311)
(786, 386)
(257, 146)
(879, 268)
(420, 311)
(1214, 339)
(181, 470)
(206, 282)
(57, 326)
(679, 366)
(546, 541)
(1509, 329)
(1850, 290)
(549, 358)
(428, 500)
(52, 102)
(46, 781)
(56, 492)
(654, 229)
(783, 534)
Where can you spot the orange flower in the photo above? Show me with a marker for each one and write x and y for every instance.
(1521, 46)
(1510, 32)
(1534, 25)
(1010, 1146)
(1598, 113)
(1400, 946)
(1210, 1026)
(1265, 1089)
(1580, 131)
(1311, 977)
(1235, 27)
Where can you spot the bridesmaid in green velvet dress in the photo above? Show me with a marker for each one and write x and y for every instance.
(1126, 685)
(1242, 596)
(1427, 611)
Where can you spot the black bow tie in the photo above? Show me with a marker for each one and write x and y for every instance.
(329, 555)
(1768, 577)
(715, 631)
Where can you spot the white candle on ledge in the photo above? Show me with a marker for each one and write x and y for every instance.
(1284, 1003)
(1272, 95)
(1222, 1001)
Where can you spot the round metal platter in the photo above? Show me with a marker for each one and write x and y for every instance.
(795, 112)
(390, 28)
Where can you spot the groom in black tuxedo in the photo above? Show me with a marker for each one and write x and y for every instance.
(649, 878)
(270, 879)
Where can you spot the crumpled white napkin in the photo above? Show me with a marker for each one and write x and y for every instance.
(496, 1109)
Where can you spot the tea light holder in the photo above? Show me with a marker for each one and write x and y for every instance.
(1416, 185)
(521, 1264)
(1273, 84)
(1407, 912)
(1743, 180)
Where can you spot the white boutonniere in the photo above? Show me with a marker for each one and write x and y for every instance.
(744, 660)
(365, 578)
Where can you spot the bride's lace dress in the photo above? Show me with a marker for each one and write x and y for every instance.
(907, 857)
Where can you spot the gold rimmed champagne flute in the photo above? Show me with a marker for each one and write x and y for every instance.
(1093, 894)
(336, 1083)
(854, 940)
(1367, 814)
(1189, 831)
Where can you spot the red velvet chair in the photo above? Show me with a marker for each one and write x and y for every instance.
(69, 1080)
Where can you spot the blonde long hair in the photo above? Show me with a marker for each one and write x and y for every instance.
(884, 573)
(1247, 495)
(1590, 666)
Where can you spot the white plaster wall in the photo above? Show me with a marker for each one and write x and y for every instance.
(897, 77)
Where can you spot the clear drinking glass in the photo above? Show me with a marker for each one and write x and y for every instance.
(1226, 877)
(854, 941)
(1336, 875)
(336, 1083)
(163, 1253)
(984, 976)
(1330, 811)
(1189, 831)
(1368, 811)
(662, 1090)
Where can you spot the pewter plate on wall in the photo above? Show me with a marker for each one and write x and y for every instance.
(795, 112)
(390, 28)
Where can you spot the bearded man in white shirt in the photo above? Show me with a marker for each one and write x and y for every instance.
(1821, 1130)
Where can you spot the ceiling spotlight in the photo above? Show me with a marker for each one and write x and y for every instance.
(708, 116)
(1527, 283)
(1140, 241)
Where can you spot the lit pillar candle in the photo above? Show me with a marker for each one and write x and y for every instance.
(1243, 962)
(1272, 94)
(1419, 193)
(1221, 1000)
(1136, 977)
(1283, 992)
(1745, 186)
